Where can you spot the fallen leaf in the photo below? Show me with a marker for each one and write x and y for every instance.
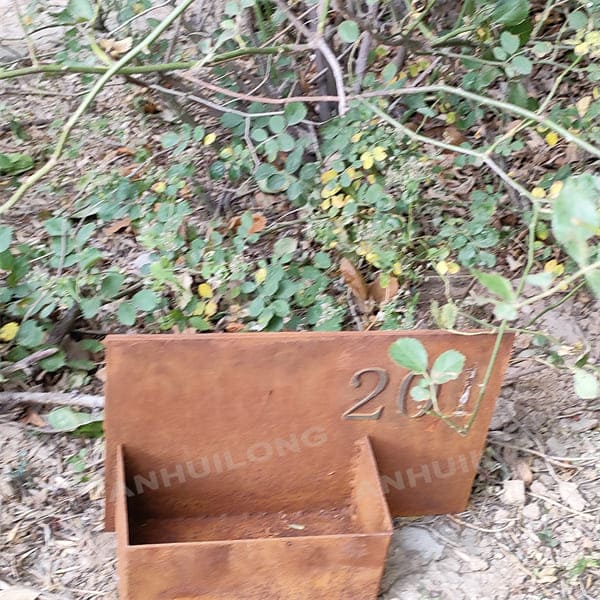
(33, 418)
(116, 48)
(125, 151)
(259, 222)
(382, 295)
(234, 327)
(117, 226)
(101, 374)
(353, 279)
(523, 472)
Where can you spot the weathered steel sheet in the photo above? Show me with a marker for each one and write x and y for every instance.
(233, 409)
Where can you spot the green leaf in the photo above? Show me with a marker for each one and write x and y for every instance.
(30, 335)
(81, 10)
(448, 366)
(498, 285)
(522, 65)
(348, 31)
(505, 311)
(586, 384)
(111, 284)
(281, 308)
(5, 237)
(199, 323)
(258, 134)
(276, 123)
(509, 42)
(90, 307)
(410, 354)
(322, 260)
(389, 72)
(511, 12)
(294, 112)
(169, 139)
(126, 313)
(57, 226)
(53, 363)
(145, 300)
(420, 393)
(15, 163)
(575, 217)
(577, 19)
(256, 307)
(284, 246)
(542, 280)
(593, 280)
(66, 419)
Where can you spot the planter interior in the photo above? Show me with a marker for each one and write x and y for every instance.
(202, 541)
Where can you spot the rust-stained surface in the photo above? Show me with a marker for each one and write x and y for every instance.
(213, 420)
(335, 547)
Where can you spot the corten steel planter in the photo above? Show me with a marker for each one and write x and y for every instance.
(239, 466)
(285, 541)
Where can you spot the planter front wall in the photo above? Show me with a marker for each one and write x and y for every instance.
(346, 565)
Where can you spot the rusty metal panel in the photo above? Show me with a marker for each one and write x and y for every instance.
(235, 408)
(336, 550)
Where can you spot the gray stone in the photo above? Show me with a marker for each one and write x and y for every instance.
(503, 414)
(532, 511)
(513, 493)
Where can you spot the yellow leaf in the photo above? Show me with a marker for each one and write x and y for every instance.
(338, 201)
(596, 93)
(356, 137)
(379, 153)
(9, 331)
(397, 269)
(453, 268)
(554, 267)
(205, 291)
(593, 37)
(159, 187)
(371, 178)
(327, 192)
(351, 173)
(227, 152)
(260, 275)
(555, 189)
(451, 118)
(26, 20)
(372, 258)
(211, 308)
(442, 268)
(328, 176)
(538, 192)
(582, 49)
(551, 138)
(367, 160)
(209, 139)
(326, 204)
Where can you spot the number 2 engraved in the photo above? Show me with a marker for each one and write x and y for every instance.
(381, 385)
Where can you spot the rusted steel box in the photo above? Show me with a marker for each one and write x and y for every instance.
(183, 535)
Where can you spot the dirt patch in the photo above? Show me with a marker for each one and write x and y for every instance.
(540, 545)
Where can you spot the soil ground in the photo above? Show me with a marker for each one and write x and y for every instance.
(534, 540)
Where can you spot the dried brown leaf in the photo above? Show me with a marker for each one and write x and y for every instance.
(117, 226)
(353, 279)
(33, 418)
